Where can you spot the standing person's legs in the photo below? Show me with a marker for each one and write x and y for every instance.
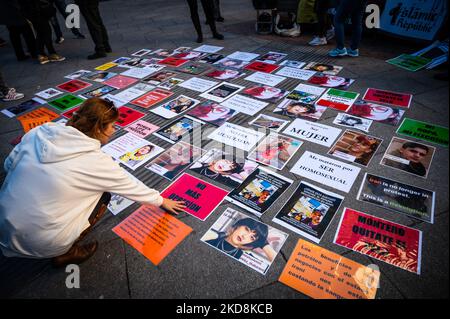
(30, 39)
(95, 29)
(3, 87)
(16, 41)
(357, 21)
(342, 13)
(209, 13)
(46, 35)
(55, 24)
(217, 15)
(193, 8)
(104, 34)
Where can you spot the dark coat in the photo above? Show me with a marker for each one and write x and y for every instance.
(10, 13)
(37, 9)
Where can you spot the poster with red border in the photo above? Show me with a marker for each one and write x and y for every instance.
(151, 98)
(261, 67)
(378, 238)
(175, 62)
(127, 116)
(201, 198)
(388, 97)
(73, 86)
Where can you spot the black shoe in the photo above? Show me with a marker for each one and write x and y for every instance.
(108, 48)
(220, 19)
(2, 42)
(199, 39)
(79, 36)
(96, 55)
(218, 36)
(23, 58)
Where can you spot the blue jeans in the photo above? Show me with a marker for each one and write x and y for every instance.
(355, 10)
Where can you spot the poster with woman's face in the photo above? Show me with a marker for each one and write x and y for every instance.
(266, 93)
(323, 68)
(296, 109)
(377, 112)
(225, 74)
(245, 239)
(331, 81)
(224, 168)
(139, 156)
(212, 112)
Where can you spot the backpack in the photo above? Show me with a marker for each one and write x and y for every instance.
(286, 25)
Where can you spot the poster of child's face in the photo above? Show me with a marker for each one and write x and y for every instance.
(212, 112)
(323, 68)
(230, 63)
(409, 156)
(376, 112)
(266, 93)
(296, 109)
(211, 58)
(159, 77)
(331, 81)
(225, 74)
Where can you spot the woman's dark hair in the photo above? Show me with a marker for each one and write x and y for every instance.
(357, 120)
(260, 229)
(93, 117)
(310, 107)
(414, 145)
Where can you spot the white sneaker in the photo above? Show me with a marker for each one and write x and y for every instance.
(318, 41)
(12, 95)
(330, 34)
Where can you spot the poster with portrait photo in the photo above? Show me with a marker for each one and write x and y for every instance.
(275, 150)
(309, 211)
(190, 55)
(352, 121)
(221, 92)
(133, 63)
(159, 77)
(123, 144)
(211, 58)
(163, 53)
(140, 155)
(141, 52)
(118, 204)
(224, 168)
(179, 129)
(212, 112)
(269, 122)
(99, 76)
(297, 109)
(377, 112)
(194, 68)
(225, 74)
(245, 239)
(409, 156)
(410, 200)
(259, 191)
(266, 93)
(175, 107)
(244, 104)
(229, 63)
(170, 83)
(305, 93)
(265, 78)
(330, 81)
(48, 94)
(98, 92)
(356, 147)
(272, 57)
(323, 68)
(175, 160)
(292, 64)
(77, 74)
(12, 111)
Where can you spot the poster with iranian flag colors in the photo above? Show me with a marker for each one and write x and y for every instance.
(338, 99)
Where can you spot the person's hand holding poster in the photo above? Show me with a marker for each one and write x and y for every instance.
(245, 239)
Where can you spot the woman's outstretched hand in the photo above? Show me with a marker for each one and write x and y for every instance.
(172, 206)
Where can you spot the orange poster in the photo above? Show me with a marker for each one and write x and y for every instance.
(322, 274)
(152, 232)
(37, 117)
(29, 124)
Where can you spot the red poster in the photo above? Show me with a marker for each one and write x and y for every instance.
(73, 86)
(388, 97)
(128, 116)
(381, 239)
(173, 61)
(334, 105)
(120, 81)
(68, 114)
(152, 98)
(201, 198)
(261, 67)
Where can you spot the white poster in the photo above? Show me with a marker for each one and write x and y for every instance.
(134, 92)
(293, 64)
(222, 92)
(175, 107)
(309, 89)
(208, 48)
(327, 171)
(352, 121)
(49, 93)
(77, 74)
(313, 132)
(141, 52)
(117, 204)
(295, 73)
(118, 102)
(236, 136)
(245, 104)
(138, 73)
(265, 78)
(243, 56)
(198, 84)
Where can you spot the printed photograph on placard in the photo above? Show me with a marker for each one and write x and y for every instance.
(176, 106)
(409, 156)
(117, 204)
(331, 81)
(49, 93)
(323, 67)
(189, 55)
(228, 63)
(376, 112)
(194, 68)
(23, 107)
(293, 64)
(99, 76)
(269, 122)
(296, 109)
(98, 92)
(141, 52)
(272, 57)
(211, 58)
(266, 93)
(139, 156)
(259, 191)
(309, 211)
(224, 74)
(275, 150)
(245, 239)
(133, 63)
(175, 131)
(212, 112)
(170, 83)
(163, 53)
(77, 74)
(352, 121)
(221, 92)
(356, 147)
(305, 93)
(224, 168)
(174, 160)
(159, 77)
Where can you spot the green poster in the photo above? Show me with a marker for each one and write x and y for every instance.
(409, 62)
(346, 94)
(424, 131)
(66, 102)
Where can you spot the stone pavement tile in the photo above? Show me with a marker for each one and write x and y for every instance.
(433, 281)
(102, 276)
(435, 101)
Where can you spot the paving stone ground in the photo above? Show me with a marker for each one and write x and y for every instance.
(193, 270)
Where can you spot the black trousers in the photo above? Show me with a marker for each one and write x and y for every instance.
(15, 36)
(43, 35)
(96, 214)
(91, 13)
(208, 8)
(3, 87)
